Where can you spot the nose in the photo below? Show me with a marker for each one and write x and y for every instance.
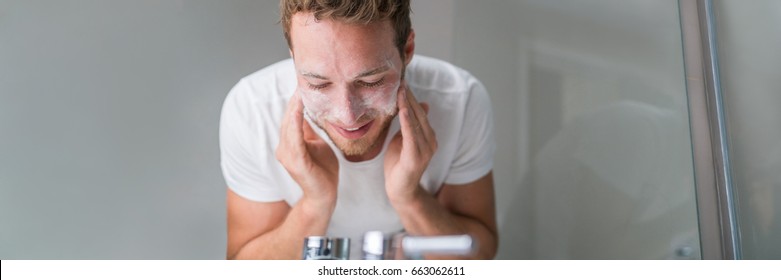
(349, 108)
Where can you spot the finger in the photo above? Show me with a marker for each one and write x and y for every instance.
(420, 114)
(425, 107)
(309, 133)
(405, 118)
(421, 118)
(287, 117)
(294, 131)
(426, 131)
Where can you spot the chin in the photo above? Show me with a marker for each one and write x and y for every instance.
(363, 145)
(356, 147)
(360, 146)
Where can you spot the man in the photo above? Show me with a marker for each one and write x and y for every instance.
(352, 135)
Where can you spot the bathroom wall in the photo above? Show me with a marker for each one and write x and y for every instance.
(109, 113)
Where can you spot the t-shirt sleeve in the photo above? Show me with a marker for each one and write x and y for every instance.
(244, 152)
(475, 153)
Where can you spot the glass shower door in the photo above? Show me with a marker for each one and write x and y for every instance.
(611, 166)
(749, 40)
(595, 116)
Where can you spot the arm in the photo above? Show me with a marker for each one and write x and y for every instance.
(274, 230)
(456, 209)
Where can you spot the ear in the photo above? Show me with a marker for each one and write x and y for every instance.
(409, 47)
(291, 53)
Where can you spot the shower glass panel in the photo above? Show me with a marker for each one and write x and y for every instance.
(749, 38)
(591, 97)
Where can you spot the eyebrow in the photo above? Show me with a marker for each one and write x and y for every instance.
(374, 71)
(313, 75)
(366, 73)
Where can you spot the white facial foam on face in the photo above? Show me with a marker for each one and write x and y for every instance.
(370, 104)
(315, 103)
(324, 107)
(366, 104)
(363, 103)
(384, 102)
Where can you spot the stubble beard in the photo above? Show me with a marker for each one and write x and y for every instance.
(364, 144)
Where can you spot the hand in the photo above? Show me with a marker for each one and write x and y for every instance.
(306, 157)
(410, 150)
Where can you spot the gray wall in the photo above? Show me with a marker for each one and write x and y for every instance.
(109, 114)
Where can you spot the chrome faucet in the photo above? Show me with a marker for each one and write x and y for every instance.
(325, 248)
(380, 246)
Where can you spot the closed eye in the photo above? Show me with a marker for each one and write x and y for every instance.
(317, 87)
(371, 84)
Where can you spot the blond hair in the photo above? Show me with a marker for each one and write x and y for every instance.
(353, 12)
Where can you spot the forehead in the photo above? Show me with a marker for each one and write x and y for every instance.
(305, 23)
(336, 43)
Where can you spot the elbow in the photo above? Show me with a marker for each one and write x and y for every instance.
(231, 255)
(487, 252)
(488, 246)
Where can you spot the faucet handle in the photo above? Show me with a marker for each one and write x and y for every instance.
(325, 248)
(380, 246)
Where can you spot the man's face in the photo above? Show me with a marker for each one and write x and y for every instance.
(348, 77)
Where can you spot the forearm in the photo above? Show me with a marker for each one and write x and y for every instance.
(306, 218)
(424, 215)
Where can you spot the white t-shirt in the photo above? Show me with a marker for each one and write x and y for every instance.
(459, 112)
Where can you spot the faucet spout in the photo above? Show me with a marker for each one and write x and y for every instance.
(415, 247)
(379, 246)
